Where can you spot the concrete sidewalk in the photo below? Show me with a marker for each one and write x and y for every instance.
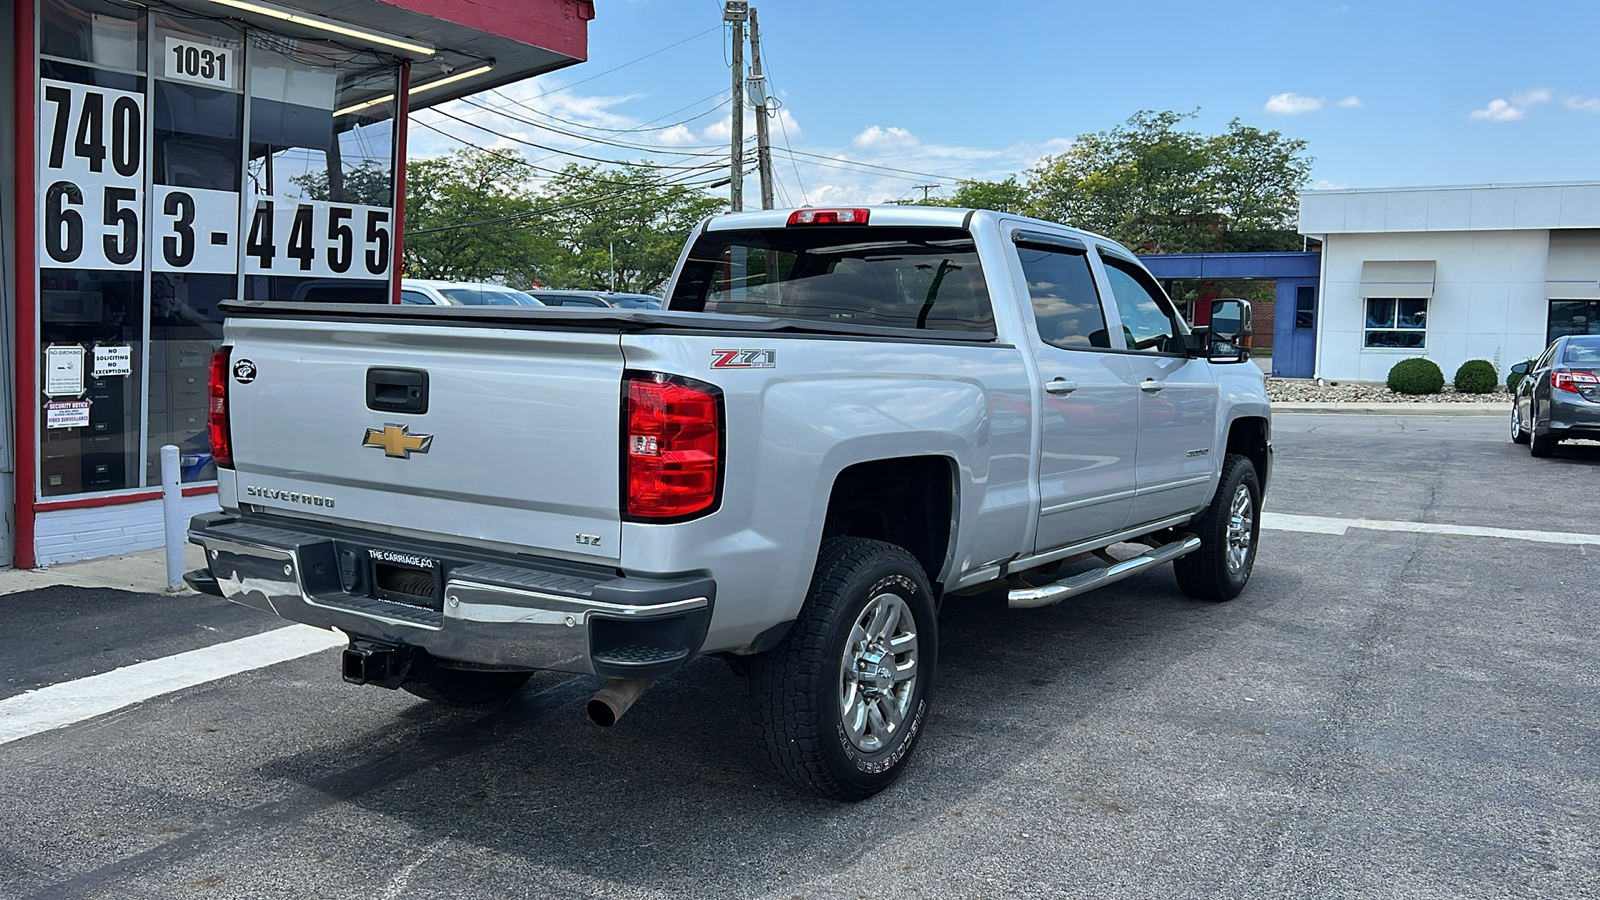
(1406, 408)
(144, 572)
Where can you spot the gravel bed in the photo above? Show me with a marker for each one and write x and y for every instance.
(1301, 390)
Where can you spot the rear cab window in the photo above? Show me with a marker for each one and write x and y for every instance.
(1582, 351)
(1066, 304)
(922, 278)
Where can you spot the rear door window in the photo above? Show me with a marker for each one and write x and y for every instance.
(1066, 304)
(928, 279)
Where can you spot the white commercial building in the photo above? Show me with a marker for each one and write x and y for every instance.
(1451, 273)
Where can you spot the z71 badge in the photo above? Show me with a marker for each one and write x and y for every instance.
(744, 359)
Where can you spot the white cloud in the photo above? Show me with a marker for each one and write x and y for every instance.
(1531, 98)
(1498, 110)
(1326, 185)
(1351, 102)
(884, 138)
(1293, 104)
(783, 123)
(1585, 104)
(677, 136)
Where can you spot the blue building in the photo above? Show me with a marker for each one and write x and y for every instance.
(1294, 342)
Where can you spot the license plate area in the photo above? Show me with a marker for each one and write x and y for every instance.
(406, 578)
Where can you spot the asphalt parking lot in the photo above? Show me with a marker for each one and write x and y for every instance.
(1384, 713)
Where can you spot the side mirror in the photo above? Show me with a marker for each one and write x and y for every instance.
(1227, 338)
(1520, 368)
(1230, 320)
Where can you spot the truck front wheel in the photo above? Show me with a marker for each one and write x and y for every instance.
(1228, 531)
(841, 702)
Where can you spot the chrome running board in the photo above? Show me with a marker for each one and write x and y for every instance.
(1030, 598)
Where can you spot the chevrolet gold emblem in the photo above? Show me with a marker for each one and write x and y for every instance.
(394, 441)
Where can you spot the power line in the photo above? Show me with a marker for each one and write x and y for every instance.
(647, 148)
(568, 87)
(560, 207)
(642, 128)
(557, 150)
(839, 159)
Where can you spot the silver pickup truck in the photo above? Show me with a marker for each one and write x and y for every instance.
(842, 417)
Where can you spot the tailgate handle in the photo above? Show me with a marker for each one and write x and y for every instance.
(397, 390)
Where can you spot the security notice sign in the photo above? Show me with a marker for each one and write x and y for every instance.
(91, 176)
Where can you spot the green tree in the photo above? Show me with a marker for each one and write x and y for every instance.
(1004, 196)
(466, 218)
(367, 184)
(589, 213)
(1158, 188)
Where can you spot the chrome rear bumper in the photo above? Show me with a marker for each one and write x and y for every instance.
(501, 614)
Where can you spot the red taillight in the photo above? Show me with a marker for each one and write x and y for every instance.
(672, 447)
(1573, 381)
(829, 216)
(217, 411)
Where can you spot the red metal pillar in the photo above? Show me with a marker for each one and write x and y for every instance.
(402, 127)
(26, 300)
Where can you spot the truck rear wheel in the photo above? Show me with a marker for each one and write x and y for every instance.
(464, 687)
(841, 702)
(1228, 530)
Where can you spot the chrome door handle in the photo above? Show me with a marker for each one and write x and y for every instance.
(1150, 385)
(1060, 386)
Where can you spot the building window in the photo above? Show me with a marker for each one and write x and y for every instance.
(1573, 317)
(184, 161)
(1305, 306)
(1396, 323)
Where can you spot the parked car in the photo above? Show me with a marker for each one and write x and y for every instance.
(1559, 397)
(634, 301)
(570, 298)
(424, 292)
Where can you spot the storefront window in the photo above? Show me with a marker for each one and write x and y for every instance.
(1573, 317)
(194, 213)
(91, 255)
(152, 127)
(321, 174)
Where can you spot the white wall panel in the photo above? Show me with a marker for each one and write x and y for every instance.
(1488, 295)
(68, 535)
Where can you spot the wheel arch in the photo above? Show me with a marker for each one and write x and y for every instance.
(1251, 437)
(908, 501)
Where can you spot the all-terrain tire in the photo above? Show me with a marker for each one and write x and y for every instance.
(1229, 530)
(464, 687)
(813, 697)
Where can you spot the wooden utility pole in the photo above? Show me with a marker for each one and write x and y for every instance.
(758, 87)
(735, 11)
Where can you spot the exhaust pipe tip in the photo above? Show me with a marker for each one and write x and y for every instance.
(608, 704)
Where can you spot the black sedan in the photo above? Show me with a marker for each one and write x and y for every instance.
(1558, 398)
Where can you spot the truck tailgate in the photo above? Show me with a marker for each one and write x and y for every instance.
(518, 444)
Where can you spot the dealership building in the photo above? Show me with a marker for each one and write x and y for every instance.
(162, 157)
(1490, 272)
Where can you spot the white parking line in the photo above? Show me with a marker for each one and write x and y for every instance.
(63, 704)
(1331, 525)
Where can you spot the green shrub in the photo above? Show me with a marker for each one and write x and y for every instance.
(1476, 376)
(1515, 378)
(1416, 376)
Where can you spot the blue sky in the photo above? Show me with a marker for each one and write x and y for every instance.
(1386, 93)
